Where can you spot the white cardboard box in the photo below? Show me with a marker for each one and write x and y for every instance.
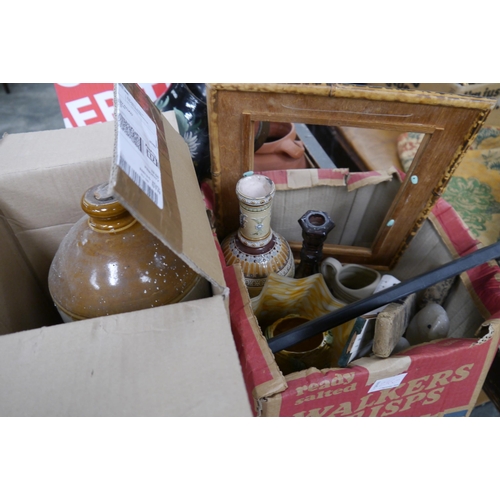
(177, 360)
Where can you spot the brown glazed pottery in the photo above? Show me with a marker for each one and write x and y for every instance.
(109, 263)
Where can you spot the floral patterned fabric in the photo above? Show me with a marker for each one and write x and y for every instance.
(474, 189)
(407, 146)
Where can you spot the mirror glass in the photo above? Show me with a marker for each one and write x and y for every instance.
(285, 146)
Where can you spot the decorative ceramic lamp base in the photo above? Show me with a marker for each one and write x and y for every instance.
(255, 246)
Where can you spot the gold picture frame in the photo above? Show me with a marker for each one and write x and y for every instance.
(449, 124)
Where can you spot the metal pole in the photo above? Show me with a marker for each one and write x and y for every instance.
(396, 292)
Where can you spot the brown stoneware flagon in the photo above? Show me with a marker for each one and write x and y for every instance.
(109, 263)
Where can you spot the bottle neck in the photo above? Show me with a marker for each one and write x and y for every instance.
(255, 225)
(255, 194)
(308, 265)
(106, 214)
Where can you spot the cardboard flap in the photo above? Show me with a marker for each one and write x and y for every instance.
(262, 375)
(286, 180)
(153, 176)
(19, 289)
(177, 360)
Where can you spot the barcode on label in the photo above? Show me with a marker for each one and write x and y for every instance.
(131, 133)
(138, 179)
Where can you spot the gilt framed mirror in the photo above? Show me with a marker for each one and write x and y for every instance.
(352, 128)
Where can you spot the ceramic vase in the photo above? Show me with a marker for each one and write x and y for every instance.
(108, 263)
(255, 246)
(188, 101)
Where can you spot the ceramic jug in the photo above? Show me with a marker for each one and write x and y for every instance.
(349, 282)
(109, 263)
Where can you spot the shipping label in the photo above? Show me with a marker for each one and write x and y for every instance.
(137, 151)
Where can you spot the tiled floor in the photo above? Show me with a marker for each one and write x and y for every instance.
(31, 107)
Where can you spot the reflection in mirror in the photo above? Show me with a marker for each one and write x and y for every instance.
(358, 211)
(283, 146)
(367, 149)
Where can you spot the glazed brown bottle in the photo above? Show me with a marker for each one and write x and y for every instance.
(109, 263)
(255, 246)
(315, 228)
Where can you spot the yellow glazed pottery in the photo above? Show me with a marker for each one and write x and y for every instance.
(287, 302)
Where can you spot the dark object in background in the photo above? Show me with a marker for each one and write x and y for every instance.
(188, 100)
(492, 383)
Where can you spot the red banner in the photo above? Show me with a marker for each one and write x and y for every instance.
(87, 103)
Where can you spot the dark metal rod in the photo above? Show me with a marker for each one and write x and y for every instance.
(311, 328)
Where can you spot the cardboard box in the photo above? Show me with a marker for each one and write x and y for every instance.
(439, 378)
(176, 360)
(470, 89)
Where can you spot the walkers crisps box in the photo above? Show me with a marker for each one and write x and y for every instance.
(176, 360)
(439, 378)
